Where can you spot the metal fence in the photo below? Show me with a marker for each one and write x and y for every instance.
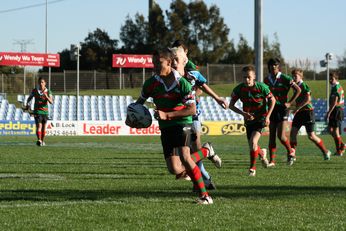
(66, 82)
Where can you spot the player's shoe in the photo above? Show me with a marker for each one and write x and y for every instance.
(205, 200)
(38, 143)
(338, 154)
(182, 176)
(327, 155)
(291, 157)
(43, 143)
(342, 149)
(252, 172)
(211, 155)
(263, 158)
(271, 164)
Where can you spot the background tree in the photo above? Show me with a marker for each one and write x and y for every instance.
(96, 54)
(271, 50)
(11, 70)
(97, 51)
(157, 36)
(342, 65)
(202, 29)
(134, 35)
(245, 54)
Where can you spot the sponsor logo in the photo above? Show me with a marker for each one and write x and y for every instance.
(100, 129)
(205, 129)
(233, 128)
(120, 61)
(17, 128)
(152, 130)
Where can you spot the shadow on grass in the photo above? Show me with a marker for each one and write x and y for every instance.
(270, 192)
(232, 192)
(73, 195)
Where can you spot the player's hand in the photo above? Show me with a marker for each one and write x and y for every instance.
(25, 107)
(160, 115)
(287, 105)
(223, 103)
(326, 118)
(248, 116)
(294, 112)
(267, 121)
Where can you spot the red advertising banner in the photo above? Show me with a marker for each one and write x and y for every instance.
(29, 59)
(132, 61)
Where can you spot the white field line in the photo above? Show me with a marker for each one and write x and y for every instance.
(87, 202)
(32, 175)
(59, 203)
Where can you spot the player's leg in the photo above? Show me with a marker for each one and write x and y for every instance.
(291, 156)
(253, 152)
(174, 165)
(43, 130)
(297, 123)
(192, 169)
(333, 126)
(196, 145)
(253, 134)
(272, 143)
(38, 121)
(320, 144)
(293, 136)
(183, 135)
(339, 144)
(38, 133)
(173, 161)
(282, 126)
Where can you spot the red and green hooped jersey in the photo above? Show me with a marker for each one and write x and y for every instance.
(337, 91)
(174, 98)
(254, 99)
(305, 92)
(279, 86)
(41, 102)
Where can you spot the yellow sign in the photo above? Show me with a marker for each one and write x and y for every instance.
(223, 128)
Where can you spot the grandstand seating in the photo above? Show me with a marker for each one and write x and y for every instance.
(113, 108)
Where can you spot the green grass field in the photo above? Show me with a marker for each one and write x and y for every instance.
(121, 183)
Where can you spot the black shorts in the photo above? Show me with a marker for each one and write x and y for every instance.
(304, 118)
(254, 127)
(40, 118)
(279, 114)
(336, 118)
(175, 136)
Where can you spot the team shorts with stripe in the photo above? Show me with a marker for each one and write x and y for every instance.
(336, 118)
(254, 127)
(304, 118)
(40, 118)
(279, 114)
(175, 136)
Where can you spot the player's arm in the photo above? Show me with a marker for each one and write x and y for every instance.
(247, 116)
(49, 97)
(271, 104)
(295, 95)
(306, 100)
(144, 94)
(188, 110)
(29, 100)
(222, 102)
(333, 102)
(141, 100)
